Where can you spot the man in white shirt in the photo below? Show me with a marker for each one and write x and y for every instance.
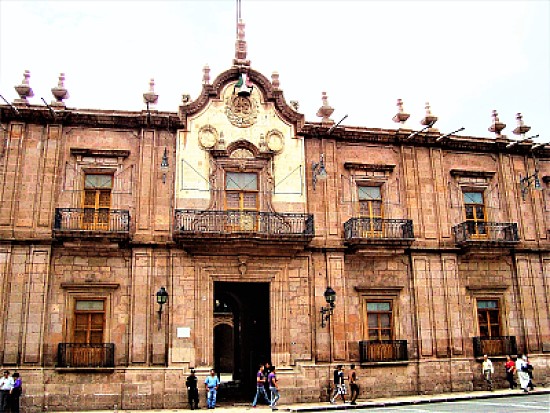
(6, 384)
(488, 370)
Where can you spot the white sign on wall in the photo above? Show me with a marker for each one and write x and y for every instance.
(184, 332)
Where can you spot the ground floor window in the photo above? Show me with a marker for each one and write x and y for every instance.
(488, 317)
(379, 320)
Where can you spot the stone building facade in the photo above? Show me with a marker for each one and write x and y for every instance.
(437, 248)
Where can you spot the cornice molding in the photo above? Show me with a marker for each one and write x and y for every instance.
(369, 167)
(106, 153)
(465, 173)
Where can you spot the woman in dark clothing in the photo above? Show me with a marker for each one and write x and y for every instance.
(15, 393)
(510, 367)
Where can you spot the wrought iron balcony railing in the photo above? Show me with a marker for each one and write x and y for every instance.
(85, 355)
(383, 350)
(486, 232)
(90, 220)
(189, 222)
(379, 229)
(495, 346)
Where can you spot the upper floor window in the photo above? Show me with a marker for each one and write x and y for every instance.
(241, 191)
(474, 208)
(488, 317)
(97, 201)
(370, 201)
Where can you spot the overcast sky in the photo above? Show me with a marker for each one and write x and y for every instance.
(465, 57)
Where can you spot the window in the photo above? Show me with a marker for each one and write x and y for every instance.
(97, 201)
(488, 316)
(89, 321)
(474, 207)
(370, 207)
(370, 201)
(379, 320)
(241, 194)
(241, 191)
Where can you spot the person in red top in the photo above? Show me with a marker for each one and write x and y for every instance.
(510, 367)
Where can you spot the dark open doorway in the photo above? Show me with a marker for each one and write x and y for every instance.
(241, 336)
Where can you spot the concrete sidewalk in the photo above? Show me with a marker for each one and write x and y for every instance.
(411, 400)
(361, 404)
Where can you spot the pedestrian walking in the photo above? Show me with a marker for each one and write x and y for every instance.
(192, 390)
(488, 371)
(267, 370)
(6, 385)
(273, 387)
(339, 385)
(523, 375)
(510, 367)
(353, 386)
(211, 383)
(15, 393)
(260, 389)
(529, 368)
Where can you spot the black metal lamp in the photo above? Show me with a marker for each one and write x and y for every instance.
(319, 171)
(164, 166)
(528, 181)
(162, 298)
(326, 312)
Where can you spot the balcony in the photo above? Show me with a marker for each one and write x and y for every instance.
(242, 231)
(378, 232)
(85, 356)
(495, 346)
(383, 351)
(78, 223)
(486, 234)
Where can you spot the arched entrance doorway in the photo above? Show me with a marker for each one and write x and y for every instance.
(241, 336)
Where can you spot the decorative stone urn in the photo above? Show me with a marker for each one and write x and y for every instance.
(522, 128)
(497, 125)
(24, 90)
(400, 116)
(150, 97)
(325, 111)
(60, 92)
(428, 119)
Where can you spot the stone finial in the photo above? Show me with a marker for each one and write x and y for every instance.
(185, 98)
(294, 104)
(151, 97)
(275, 80)
(206, 75)
(221, 142)
(240, 47)
(497, 125)
(400, 116)
(522, 128)
(24, 90)
(325, 111)
(60, 92)
(428, 119)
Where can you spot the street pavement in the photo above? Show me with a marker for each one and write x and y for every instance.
(498, 401)
(531, 403)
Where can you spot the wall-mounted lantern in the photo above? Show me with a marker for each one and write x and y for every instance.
(318, 170)
(162, 298)
(164, 165)
(326, 312)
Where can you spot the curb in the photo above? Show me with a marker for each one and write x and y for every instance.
(435, 399)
